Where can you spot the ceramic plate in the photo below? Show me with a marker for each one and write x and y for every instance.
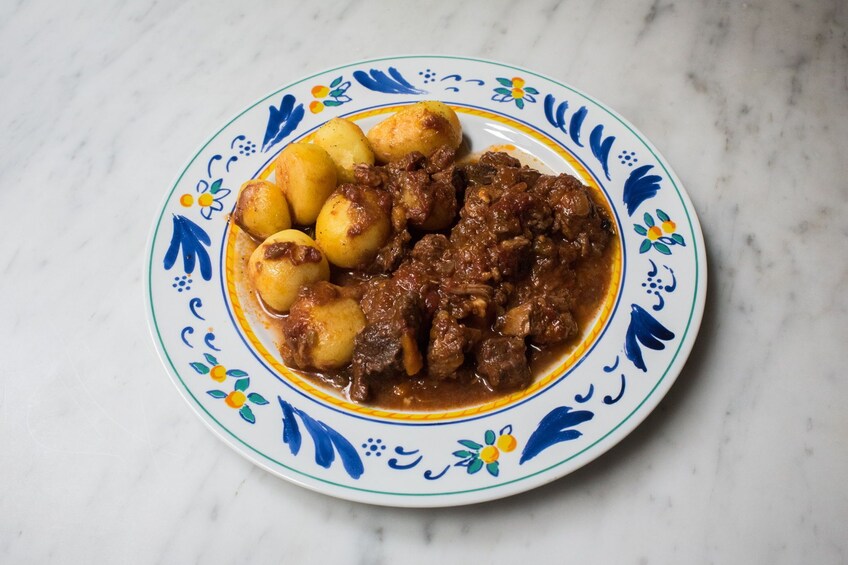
(224, 362)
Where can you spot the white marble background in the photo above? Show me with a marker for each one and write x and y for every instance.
(101, 103)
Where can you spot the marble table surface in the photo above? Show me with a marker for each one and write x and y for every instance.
(101, 461)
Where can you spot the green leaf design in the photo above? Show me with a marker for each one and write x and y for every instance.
(242, 384)
(649, 220)
(216, 393)
(247, 414)
(216, 186)
(236, 373)
(646, 245)
(475, 466)
(504, 91)
(470, 444)
(662, 248)
(335, 93)
(200, 368)
(520, 103)
(640, 229)
(257, 398)
(531, 90)
(662, 216)
(332, 103)
(462, 454)
(490, 437)
(336, 82)
(493, 468)
(505, 82)
(212, 361)
(678, 239)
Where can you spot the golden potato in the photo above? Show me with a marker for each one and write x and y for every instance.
(346, 144)
(307, 175)
(282, 264)
(353, 225)
(422, 127)
(321, 328)
(261, 209)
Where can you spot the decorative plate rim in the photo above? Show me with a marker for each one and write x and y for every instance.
(543, 475)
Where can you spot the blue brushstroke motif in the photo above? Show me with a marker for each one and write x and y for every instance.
(324, 453)
(431, 476)
(577, 123)
(640, 186)
(395, 464)
(609, 400)
(291, 431)
(583, 398)
(601, 147)
(611, 368)
(553, 429)
(191, 238)
(378, 81)
(208, 339)
(350, 458)
(644, 329)
(555, 118)
(193, 305)
(327, 440)
(282, 121)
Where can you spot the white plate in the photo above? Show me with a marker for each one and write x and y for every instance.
(212, 344)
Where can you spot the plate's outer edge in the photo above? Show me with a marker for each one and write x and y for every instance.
(590, 452)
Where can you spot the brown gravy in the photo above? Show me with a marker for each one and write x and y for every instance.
(590, 286)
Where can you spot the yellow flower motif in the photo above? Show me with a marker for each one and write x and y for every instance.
(218, 373)
(489, 454)
(507, 443)
(235, 399)
(318, 91)
(486, 455)
(332, 95)
(517, 88)
(187, 200)
(654, 233)
(514, 90)
(205, 199)
(239, 398)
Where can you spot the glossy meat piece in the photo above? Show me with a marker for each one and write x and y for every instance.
(502, 361)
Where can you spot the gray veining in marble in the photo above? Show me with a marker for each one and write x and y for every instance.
(743, 462)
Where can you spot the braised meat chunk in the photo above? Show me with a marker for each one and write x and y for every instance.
(388, 346)
(502, 361)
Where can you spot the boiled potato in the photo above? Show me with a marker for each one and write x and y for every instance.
(321, 328)
(282, 264)
(307, 175)
(422, 127)
(353, 225)
(346, 144)
(261, 209)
